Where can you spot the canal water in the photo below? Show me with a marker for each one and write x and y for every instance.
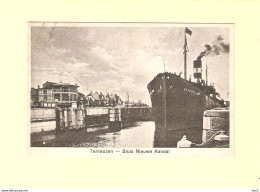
(136, 135)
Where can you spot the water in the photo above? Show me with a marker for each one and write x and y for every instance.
(136, 135)
(139, 135)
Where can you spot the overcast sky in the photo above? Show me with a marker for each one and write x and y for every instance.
(122, 59)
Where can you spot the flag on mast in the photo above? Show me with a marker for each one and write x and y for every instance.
(188, 31)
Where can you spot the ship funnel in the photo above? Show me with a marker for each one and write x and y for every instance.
(197, 68)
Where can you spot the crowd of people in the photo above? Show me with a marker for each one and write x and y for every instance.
(108, 100)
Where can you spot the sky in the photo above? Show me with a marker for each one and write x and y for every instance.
(123, 59)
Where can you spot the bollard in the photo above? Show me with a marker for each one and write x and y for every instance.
(184, 143)
(115, 122)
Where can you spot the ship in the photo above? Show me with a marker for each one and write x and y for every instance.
(178, 103)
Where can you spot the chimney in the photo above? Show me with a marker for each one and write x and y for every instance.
(197, 66)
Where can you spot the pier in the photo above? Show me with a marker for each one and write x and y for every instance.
(47, 119)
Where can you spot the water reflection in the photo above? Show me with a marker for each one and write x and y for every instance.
(139, 135)
(169, 138)
(144, 135)
(135, 135)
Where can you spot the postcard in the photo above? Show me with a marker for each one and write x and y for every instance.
(131, 89)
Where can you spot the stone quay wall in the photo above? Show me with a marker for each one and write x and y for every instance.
(43, 119)
(215, 120)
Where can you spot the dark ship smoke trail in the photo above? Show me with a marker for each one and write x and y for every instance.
(218, 47)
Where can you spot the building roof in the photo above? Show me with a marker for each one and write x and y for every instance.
(51, 84)
(81, 94)
(94, 95)
(65, 84)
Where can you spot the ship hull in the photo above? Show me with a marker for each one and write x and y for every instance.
(178, 104)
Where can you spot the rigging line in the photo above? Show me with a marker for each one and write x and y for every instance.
(179, 66)
(189, 61)
(220, 86)
(188, 57)
(180, 59)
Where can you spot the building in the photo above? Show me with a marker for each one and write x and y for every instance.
(99, 99)
(34, 96)
(95, 99)
(81, 96)
(57, 94)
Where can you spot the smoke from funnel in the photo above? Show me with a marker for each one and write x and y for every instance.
(203, 53)
(218, 47)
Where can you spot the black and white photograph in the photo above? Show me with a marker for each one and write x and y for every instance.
(131, 87)
(130, 95)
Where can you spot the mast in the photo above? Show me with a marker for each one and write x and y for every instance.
(185, 47)
(185, 55)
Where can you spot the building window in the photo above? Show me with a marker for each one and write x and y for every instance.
(65, 97)
(56, 90)
(73, 89)
(65, 89)
(73, 97)
(45, 98)
(44, 91)
(56, 97)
